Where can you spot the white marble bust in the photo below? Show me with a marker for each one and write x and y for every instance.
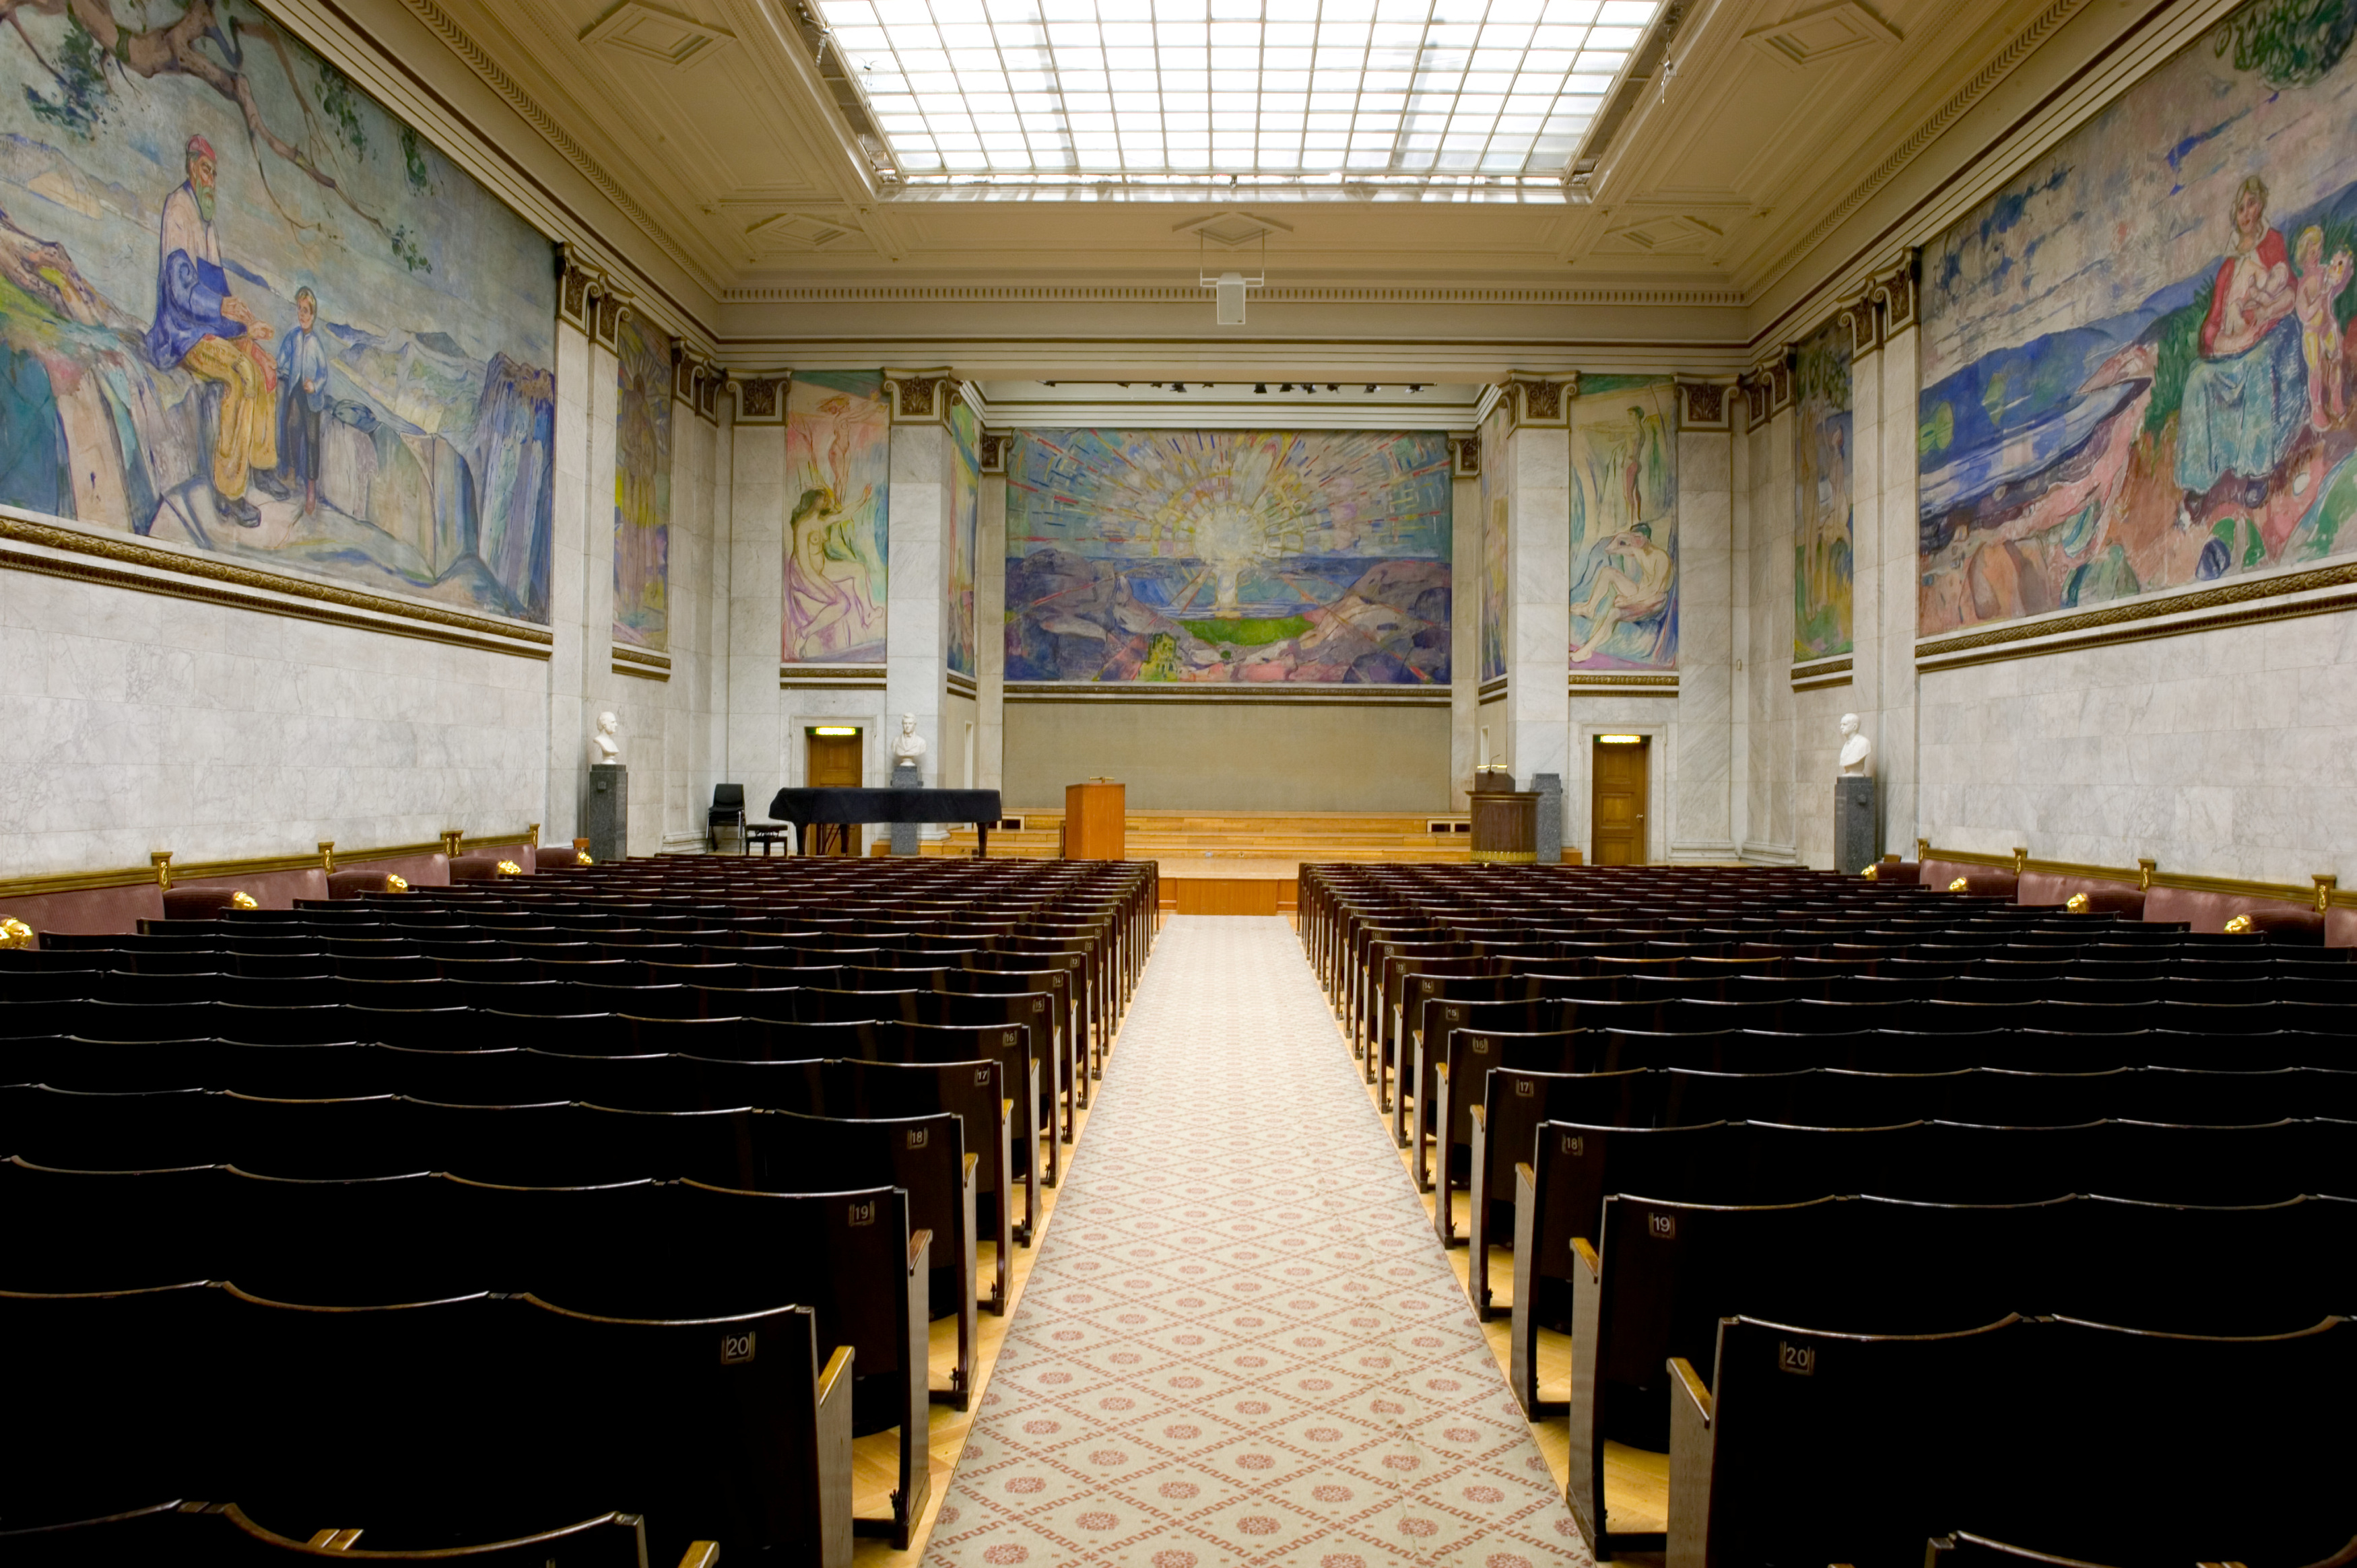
(605, 745)
(1856, 750)
(908, 747)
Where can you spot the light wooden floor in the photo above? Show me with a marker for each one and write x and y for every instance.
(876, 1459)
(1636, 1482)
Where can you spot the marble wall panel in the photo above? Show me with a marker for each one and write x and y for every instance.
(1699, 826)
(2222, 753)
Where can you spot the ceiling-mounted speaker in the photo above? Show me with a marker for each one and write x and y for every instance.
(1229, 291)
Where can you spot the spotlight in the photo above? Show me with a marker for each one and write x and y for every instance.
(1332, 387)
(1371, 386)
(1047, 384)
(1260, 386)
(1178, 386)
(1415, 386)
(1308, 387)
(1122, 385)
(1285, 388)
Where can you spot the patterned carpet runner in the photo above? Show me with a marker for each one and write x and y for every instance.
(1241, 1343)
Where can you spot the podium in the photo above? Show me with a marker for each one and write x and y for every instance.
(1097, 821)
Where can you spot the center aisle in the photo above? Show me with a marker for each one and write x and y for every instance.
(1241, 1343)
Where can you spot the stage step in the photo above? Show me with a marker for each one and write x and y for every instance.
(1298, 836)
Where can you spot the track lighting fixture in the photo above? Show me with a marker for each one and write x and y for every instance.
(1260, 386)
(1371, 386)
(1332, 387)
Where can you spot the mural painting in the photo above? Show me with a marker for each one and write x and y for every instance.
(1494, 581)
(245, 310)
(2134, 354)
(1823, 542)
(1293, 557)
(642, 485)
(1624, 524)
(838, 473)
(965, 523)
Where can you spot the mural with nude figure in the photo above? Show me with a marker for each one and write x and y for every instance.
(838, 481)
(2133, 353)
(1624, 524)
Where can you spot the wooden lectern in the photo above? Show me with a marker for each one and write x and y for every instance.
(1096, 821)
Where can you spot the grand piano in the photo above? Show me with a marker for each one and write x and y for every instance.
(805, 808)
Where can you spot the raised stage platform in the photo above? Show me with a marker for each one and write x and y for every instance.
(1239, 863)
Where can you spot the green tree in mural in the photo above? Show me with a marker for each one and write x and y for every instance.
(2290, 43)
(205, 43)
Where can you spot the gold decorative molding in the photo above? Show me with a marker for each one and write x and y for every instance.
(1822, 674)
(1224, 692)
(1537, 399)
(2206, 609)
(1607, 683)
(959, 685)
(1493, 688)
(1767, 387)
(1704, 405)
(195, 576)
(1865, 324)
(165, 874)
(2323, 893)
(761, 400)
(1175, 294)
(646, 663)
(1900, 295)
(848, 677)
(922, 397)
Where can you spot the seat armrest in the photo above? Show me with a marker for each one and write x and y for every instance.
(1682, 1379)
(838, 1367)
(701, 1554)
(1586, 1256)
(1480, 1113)
(919, 1243)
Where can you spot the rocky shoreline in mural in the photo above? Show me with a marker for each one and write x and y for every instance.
(1075, 620)
(433, 465)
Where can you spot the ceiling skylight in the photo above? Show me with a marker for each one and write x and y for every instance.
(1145, 92)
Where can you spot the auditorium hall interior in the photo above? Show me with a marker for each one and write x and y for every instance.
(1178, 783)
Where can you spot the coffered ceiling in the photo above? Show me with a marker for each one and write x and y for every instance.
(1748, 160)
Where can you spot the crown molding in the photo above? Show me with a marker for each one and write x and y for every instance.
(862, 293)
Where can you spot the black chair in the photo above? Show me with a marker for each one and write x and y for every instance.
(727, 811)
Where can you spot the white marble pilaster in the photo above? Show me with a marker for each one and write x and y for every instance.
(1743, 456)
(1464, 637)
(757, 566)
(1538, 625)
(990, 631)
(1895, 746)
(917, 632)
(568, 571)
(1773, 503)
(1700, 827)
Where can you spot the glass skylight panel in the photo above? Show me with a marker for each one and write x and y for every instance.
(1172, 92)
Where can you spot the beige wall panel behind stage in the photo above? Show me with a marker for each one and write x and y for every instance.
(1231, 756)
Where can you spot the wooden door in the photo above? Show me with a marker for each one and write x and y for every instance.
(835, 763)
(1616, 812)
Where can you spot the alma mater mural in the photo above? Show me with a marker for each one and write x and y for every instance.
(244, 308)
(2134, 354)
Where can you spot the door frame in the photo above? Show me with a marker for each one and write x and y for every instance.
(807, 730)
(1655, 848)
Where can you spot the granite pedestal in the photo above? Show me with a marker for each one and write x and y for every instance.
(1855, 837)
(1548, 788)
(608, 809)
(906, 776)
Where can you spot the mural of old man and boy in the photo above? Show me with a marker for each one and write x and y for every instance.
(342, 361)
(2134, 356)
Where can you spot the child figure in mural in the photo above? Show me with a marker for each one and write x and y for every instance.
(2319, 328)
(303, 379)
(201, 328)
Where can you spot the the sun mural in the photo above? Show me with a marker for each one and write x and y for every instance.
(642, 446)
(244, 308)
(1213, 556)
(2134, 354)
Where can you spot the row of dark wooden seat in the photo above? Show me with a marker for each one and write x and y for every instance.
(333, 1111)
(624, 1372)
(1662, 1274)
(199, 1534)
(1573, 1048)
